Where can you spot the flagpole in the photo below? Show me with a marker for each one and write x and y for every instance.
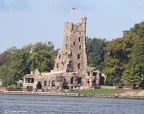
(73, 10)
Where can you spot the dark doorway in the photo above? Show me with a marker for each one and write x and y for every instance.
(65, 84)
(102, 80)
(39, 85)
(72, 80)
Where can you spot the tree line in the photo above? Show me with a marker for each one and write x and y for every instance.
(15, 63)
(121, 59)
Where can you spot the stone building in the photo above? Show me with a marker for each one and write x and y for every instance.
(70, 71)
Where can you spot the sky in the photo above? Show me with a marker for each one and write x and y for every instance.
(30, 21)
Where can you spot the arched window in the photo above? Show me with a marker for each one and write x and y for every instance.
(39, 85)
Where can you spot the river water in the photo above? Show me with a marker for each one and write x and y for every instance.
(33, 104)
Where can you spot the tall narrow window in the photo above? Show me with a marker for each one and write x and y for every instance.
(72, 80)
(78, 56)
(45, 83)
(57, 65)
(79, 39)
(66, 46)
(79, 47)
(78, 65)
(74, 43)
(32, 80)
(53, 83)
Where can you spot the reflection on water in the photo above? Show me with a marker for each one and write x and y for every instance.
(32, 104)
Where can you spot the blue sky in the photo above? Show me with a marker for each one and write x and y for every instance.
(30, 21)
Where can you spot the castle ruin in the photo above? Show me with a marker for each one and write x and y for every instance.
(70, 71)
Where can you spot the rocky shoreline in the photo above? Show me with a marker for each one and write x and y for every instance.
(128, 94)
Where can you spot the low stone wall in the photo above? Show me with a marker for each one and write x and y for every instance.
(121, 95)
(41, 93)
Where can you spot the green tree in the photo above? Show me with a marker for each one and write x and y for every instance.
(42, 56)
(95, 52)
(115, 61)
(5, 74)
(135, 67)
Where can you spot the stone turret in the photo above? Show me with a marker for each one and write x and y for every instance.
(73, 56)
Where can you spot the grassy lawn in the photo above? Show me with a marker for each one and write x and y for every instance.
(106, 91)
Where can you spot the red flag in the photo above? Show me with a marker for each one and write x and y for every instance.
(74, 9)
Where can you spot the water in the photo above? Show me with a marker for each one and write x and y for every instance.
(32, 104)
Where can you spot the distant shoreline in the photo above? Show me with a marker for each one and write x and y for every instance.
(122, 95)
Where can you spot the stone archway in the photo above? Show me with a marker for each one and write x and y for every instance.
(39, 85)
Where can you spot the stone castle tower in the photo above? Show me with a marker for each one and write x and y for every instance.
(70, 71)
(73, 56)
